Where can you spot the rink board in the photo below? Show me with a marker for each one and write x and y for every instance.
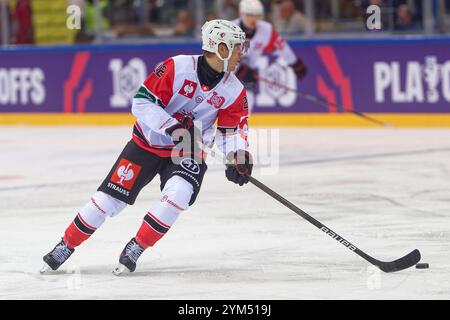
(406, 79)
(256, 119)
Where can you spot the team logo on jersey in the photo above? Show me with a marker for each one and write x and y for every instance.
(188, 89)
(279, 43)
(190, 165)
(258, 45)
(216, 101)
(126, 174)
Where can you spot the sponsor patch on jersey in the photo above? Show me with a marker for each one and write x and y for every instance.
(188, 89)
(190, 165)
(216, 101)
(279, 43)
(126, 174)
(199, 99)
(258, 45)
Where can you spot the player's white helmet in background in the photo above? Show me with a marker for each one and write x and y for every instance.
(219, 31)
(253, 7)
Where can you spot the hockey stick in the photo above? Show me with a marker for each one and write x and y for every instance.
(323, 102)
(405, 262)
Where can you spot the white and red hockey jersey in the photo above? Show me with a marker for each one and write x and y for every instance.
(266, 40)
(174, 88)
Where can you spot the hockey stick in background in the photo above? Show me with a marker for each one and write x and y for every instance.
(405, 262)
(323, 102)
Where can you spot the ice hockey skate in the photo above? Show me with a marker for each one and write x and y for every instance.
(128, 258)
(55, 258)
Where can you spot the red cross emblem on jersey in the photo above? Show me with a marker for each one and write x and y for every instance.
(216, 101)
(188, 89)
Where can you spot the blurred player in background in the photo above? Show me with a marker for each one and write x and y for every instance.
(264, 40)
(176, 110)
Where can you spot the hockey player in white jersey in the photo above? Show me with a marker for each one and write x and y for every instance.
(176, 109)
(264, 40)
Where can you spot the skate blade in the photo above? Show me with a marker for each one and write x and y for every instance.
(45, 269)
(120, 269)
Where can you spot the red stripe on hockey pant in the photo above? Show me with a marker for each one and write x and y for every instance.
(73, 236)
(147, 236)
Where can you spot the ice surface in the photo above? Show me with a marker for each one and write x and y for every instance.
(385, 190)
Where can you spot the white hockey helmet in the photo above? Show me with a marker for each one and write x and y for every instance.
(253, 7)
(219, 31)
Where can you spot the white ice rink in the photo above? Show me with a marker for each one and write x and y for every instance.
(385, 190)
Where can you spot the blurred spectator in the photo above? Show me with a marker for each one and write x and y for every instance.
(348, 9)
(230, 10)
(7, 22)
(124, 20)
(89, 15)
(154, 8)
(289, 20)
(322, 9)
(185, 24)
(23, 21)
(405, 20)
(123, 12)
(211, 16)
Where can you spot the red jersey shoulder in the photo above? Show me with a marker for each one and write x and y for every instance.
(275, 41)
(160, 81)
(164, 68)
(233, 114)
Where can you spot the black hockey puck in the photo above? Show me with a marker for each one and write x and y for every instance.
(422, 266)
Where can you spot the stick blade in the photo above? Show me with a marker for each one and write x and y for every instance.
(405, 262)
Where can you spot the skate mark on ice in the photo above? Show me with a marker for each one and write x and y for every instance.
(431, 191)
(49, 185)
(10, 177)
(318, 198)
(366, 156)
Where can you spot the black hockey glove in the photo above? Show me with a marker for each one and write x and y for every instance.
(246, 74)
(299, 69)
(185, 135)
(239, 167)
